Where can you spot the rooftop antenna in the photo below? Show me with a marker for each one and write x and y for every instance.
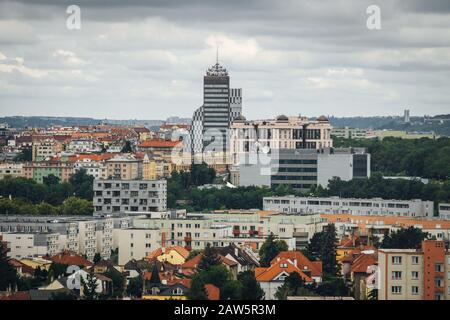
(217, 55)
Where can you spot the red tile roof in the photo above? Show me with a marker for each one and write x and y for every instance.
(70, 258)
(21, 295)
(362, 262)
(158, 144)
(158, 252)
(301, 262)
(212, 292)
(282, 265)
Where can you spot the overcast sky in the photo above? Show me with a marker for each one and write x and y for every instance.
(140, 59)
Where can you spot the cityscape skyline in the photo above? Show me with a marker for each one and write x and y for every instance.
(303, 57)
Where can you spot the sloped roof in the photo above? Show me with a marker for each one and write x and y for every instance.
(69, 258)
(271, 273)
(362, 262)
(212, 292)
(158, 144)
(314, 267)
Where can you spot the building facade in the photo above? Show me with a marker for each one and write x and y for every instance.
(129, 196)
(252, 137)
(336, 205)
(410, 274)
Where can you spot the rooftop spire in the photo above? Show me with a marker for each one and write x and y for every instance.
(217, 54)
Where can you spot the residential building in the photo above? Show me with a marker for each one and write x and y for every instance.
(39, 170)
(285, 263)
(444, 211)
(410, 274)
(161, 147)
(83, 145)
(28, 245)
(352, 206)
(175, 255)
(129, 196)
(137, 243)
(124, 167)
(13, 170)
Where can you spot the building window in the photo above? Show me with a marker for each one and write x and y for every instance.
(438, 282)
(396, 275)
(438, 267)
(396, 289)
(414, 275)
(415, 260)
(396, 260)
(415, 290)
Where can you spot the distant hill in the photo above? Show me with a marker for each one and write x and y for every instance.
(43, 122)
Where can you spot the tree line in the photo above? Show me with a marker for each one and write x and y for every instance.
(26, 196)
(423, 157)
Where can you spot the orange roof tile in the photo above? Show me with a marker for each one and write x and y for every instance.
(212, 292)
(70, 258)
(158, 144)
(272, 272)
(363, 261)
(302, 262)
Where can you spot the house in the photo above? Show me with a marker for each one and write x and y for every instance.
(21, 268)
(285, 263)
(244, 257)
(69, 258)
(157, 289)
(175, 255)
(74, 283)
(189, 268)
(360, 269)
(35, 263)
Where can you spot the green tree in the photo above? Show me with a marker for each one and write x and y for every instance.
(293, 285)
(405, 238)
(50, 180)
(270, 249)
(26, 155)
(90, 286)
(232, 290)
(8, 278)
(250, 288)
(135, 287)
(197, 290)
(97, 258)
(82, 184)
(322, 246)
(373, 294)
(118, 281)
(127, 148)
(76, 206)
(209, 259)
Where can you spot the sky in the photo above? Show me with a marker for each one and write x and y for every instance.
(144, 59)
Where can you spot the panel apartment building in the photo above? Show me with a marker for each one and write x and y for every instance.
(31, 236)
(117, 197)
(409, 274)
(336, 205)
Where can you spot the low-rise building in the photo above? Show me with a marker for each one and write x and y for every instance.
(285, 263)
(444, 211)
(13, 170)
(353, 206)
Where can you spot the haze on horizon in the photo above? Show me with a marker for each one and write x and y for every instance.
(142, 59)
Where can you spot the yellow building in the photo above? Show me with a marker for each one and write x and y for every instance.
(37, 263)
(381, 134)
(175, 255)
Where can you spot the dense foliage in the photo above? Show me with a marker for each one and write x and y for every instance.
(424, 157)
(25, 196)
(270, 249)
(377, 187)
(322, 246)
(405, 238)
